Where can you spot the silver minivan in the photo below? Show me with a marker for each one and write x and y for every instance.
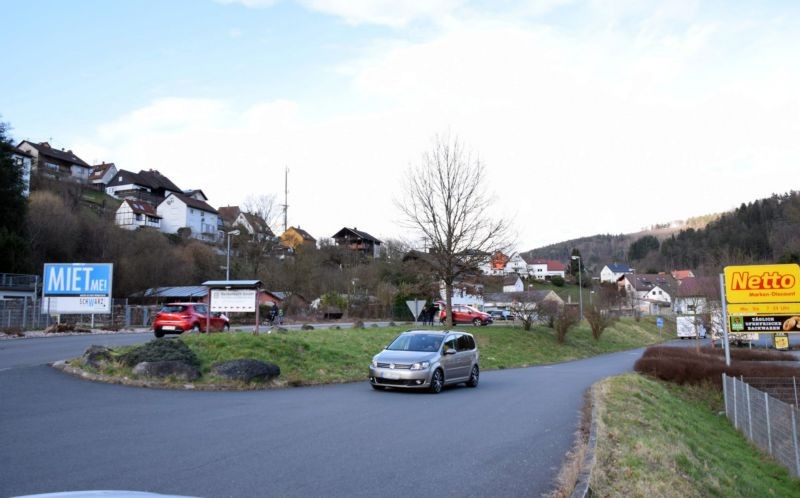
(426, 359)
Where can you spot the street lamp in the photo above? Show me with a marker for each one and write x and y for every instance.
(228, 265)
(580, 285)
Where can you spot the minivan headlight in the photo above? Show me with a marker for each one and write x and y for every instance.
(422, 365)
(374, 362)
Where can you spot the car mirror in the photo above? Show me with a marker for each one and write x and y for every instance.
(449, 351)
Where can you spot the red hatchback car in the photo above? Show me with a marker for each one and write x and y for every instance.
(176, 318)
(467, 314)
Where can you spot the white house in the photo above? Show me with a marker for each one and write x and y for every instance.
(178, 211)
(464, 293)
(611, 273)
(545, 269)
(102, 174)
(516, 264)
(24, 162)
(513, 283)
(650, 293)
(694, 294)
(133, 214)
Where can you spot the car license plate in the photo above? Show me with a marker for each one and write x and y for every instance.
(391, 375)
(168, 327)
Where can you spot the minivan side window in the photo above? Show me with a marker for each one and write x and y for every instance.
(464, 343)
(200, 308)
(450, 343)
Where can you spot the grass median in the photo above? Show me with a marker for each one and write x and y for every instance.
(658, 439)
(328, 356)
(325, 356)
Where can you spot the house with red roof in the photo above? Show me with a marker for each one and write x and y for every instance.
(133, 214)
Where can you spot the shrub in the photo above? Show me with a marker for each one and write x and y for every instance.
(687, 366)
(558, 281)
(307, 327)
(358, 325)
(160, 350)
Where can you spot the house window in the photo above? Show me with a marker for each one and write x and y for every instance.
(138, 217)
(51, 166)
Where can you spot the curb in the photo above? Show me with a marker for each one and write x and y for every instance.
(582, 486)
(127, 381)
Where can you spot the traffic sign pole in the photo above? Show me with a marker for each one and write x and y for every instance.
(725, 320)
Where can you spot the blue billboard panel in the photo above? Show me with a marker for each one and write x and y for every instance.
(77, 288)
(77, 279)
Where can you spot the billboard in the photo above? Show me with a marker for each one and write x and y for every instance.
(77, 288)
(233, 300)
(762, 283)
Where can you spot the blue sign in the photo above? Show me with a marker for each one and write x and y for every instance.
(659, 322)
(77, 279)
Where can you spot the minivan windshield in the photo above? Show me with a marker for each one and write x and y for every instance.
(416, 342)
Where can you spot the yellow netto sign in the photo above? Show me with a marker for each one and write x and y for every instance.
(762, 283)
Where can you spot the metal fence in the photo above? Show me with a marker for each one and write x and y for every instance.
(26, 314)
(767, 414)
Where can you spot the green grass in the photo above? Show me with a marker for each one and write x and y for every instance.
(659, 439)
(325, 356)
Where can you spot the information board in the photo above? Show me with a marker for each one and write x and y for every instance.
(233, 300)
(77, 288)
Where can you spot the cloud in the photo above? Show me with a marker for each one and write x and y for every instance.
(596, 128)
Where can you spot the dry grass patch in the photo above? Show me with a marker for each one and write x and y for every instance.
(657, 439)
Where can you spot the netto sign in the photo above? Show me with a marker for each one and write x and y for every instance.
(762, 283)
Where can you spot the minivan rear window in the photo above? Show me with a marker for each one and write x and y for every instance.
(173, 308)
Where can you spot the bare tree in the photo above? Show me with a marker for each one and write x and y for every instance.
(256, 247)
(446, 200)
(565, 319)
(599, 319)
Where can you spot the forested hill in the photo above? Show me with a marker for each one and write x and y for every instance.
(763, 231)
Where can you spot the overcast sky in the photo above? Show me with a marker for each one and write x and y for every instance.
(602, 116)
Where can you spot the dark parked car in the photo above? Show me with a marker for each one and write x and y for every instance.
(501, 314)
(176, 318)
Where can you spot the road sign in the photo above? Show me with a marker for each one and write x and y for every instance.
(77, 288)
(233, 300)
(762, 283)
(415, 307)
(659, 322)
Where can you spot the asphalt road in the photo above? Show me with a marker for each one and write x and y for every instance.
(506, 438)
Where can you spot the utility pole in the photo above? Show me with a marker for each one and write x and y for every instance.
(286, 199)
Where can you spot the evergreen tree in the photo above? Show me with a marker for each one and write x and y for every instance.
(13, 209)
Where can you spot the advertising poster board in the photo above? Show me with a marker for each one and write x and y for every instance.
(83, 288)
(233, 300)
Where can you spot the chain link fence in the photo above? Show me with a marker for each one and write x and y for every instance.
(767, 414)
(27, 314)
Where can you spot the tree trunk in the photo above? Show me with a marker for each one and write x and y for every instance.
(448, 291)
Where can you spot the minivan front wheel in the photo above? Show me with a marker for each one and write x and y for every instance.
(474, 377)
(196, 328)
(477, 322)
(437, 382)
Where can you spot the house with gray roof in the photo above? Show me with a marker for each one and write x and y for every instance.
(179, 211)
(56, 163)
(614, 271)
(358, 240)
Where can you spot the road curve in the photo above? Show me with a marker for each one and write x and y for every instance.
(505, 438)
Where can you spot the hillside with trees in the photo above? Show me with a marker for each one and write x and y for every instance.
(762, 231)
